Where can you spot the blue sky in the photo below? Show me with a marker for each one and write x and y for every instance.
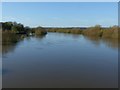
(61, 14)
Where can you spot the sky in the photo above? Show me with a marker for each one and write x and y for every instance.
(60, 0)
(61, 14)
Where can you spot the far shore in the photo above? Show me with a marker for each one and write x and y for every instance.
(12, 31)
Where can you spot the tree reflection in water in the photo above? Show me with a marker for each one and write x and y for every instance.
(11, 40)
(109, 42)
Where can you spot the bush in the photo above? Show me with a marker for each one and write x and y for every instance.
(93, 31)
(9, 37)
(112, 32)
(40, 31)
(66, 30)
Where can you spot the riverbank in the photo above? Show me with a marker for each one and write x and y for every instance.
(12, 32)
(96, 31)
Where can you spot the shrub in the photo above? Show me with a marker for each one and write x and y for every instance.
(111, 32)
(40, 31)
(93, 31)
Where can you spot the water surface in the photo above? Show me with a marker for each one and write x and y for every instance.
(60, 60)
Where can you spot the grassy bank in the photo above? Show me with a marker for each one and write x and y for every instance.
(66, 30)
(12, 32)
(96, 31)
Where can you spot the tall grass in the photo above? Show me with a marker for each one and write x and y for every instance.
(39, 31)
(9, 37)
(96, 31)
(93, 31)
(66, 30)
(111, 32)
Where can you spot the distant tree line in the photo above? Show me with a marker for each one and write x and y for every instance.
(19, 28)
(13, 32)
(95, 31)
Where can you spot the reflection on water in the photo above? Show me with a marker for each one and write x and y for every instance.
(109, 42)
(40, 37)
(61, 60)
(94, 40)
(9, 46)
(112, 43)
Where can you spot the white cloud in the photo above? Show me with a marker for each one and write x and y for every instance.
(8, 18)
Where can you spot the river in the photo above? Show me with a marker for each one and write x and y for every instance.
(60, 60)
